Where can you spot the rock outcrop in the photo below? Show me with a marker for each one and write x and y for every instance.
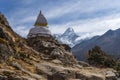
(42, 58)
(51, 49)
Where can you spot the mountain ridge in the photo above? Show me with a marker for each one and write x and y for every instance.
(109, 42)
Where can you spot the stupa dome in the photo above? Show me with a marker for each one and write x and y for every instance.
(39, 31)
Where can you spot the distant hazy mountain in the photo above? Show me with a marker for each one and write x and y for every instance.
(68, 37)
(109, 42)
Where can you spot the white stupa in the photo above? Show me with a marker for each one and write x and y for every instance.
(41, 28)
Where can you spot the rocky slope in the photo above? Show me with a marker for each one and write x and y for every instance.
(42, 58)
(109, 42)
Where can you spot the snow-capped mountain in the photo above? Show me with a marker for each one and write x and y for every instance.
(68, 37)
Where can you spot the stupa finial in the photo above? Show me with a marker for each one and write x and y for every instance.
(40, 12)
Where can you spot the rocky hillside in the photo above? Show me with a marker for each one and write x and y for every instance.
(42, 58)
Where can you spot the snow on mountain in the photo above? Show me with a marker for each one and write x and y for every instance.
(68, 37)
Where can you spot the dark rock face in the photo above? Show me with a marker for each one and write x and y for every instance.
(109, 42)
(66, 47)
(42, 43)
(51, 49)
(5, 49)
(5, 52)
(3, 20)
(5, 36)
(2, 34)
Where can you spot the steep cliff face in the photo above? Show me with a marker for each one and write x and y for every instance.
(42, 58)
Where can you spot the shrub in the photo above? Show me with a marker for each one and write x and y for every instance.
(117, 67)
(98, 57)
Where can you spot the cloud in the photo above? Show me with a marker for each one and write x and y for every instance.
(91, 27)
(82, 7)
(85, 16)
(89, 35)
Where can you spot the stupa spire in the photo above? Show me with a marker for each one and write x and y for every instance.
(40, 12)
(41, 20)
(41, 28)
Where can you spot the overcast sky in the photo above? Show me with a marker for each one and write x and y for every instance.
(90, 17)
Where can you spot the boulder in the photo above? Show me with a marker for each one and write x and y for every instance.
(110, 75)
(63, 75)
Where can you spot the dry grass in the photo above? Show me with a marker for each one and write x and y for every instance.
(3, 41)
(27, 66)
